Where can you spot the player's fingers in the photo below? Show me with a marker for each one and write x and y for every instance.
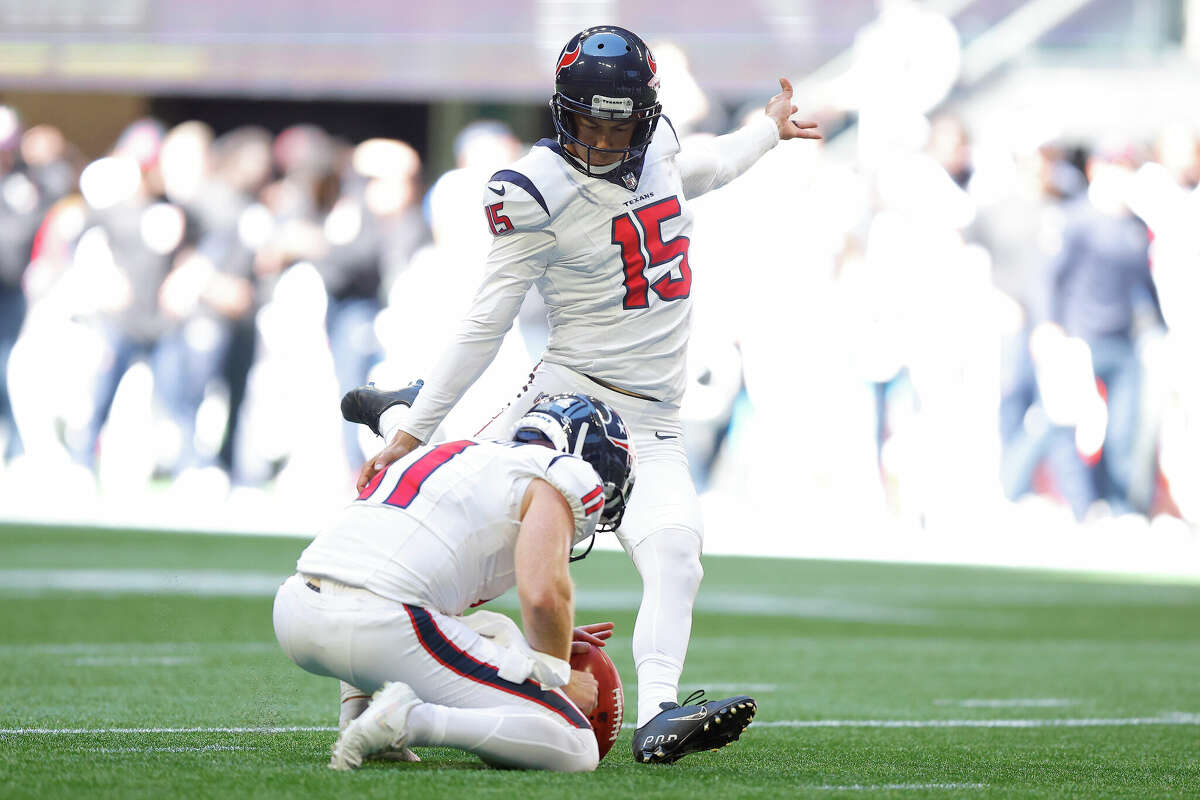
(579, 647)
(801, 123)
(786, 85)
(584, 636)
(597, 627)
(366, 473)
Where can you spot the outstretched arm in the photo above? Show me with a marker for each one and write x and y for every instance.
(515, 260)
(711, 165)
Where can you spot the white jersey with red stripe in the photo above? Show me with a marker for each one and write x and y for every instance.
(609, 255)
(438, 528)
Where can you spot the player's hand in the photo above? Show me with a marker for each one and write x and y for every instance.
(593, 634)
(583, 690)
(780, 109)
(401, 445)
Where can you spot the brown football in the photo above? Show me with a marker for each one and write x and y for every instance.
(610, 703)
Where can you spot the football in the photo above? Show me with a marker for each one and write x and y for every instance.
(610, 702)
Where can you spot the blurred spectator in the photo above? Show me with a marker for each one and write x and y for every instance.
(1102, 293)
(242, 168)
(126, 254)
(1166, 196)
(450, 269)
(20, 213)
(1022, 195)
(206, 292)
(684, 101)
(392, 194)
(905, 63)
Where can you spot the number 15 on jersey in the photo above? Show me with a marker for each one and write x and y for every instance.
(639, 235)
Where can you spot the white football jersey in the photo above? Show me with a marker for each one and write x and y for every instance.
(438, 528)
(609, 258)
(611, 264)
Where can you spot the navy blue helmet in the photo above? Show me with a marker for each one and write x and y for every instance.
(606, 73)
(589, 428)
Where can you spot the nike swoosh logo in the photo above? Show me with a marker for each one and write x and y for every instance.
(658, 435)
(701, 714)
(499, 191)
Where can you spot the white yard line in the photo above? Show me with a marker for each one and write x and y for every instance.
(1166, 719)
(99, 731)
(123, 649)
(1174, 718)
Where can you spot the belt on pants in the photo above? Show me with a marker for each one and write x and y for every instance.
(614, 388)
(331, 586)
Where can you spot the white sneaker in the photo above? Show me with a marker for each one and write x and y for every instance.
(383, 726)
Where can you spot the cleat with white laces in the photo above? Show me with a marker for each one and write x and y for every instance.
(696, 725)
(382, 727)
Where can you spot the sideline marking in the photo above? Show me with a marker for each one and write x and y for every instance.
(86, 731)
(208, 582)
(132, 661)
(1172, 718)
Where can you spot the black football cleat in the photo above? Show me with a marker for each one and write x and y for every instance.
(366, 404)
(679, 730)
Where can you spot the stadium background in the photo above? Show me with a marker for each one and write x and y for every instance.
(256, 205)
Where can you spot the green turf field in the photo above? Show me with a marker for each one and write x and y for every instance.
(144, 665)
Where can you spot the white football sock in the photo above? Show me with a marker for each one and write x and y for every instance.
(354, 703)
(669, 563)
(509, 736)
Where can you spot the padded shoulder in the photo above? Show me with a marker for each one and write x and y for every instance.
(575, 479)
(665, 142)
(512, 202)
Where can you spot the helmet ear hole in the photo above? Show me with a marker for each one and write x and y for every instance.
(589, 428)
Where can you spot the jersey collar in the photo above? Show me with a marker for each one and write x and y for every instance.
(627, 176)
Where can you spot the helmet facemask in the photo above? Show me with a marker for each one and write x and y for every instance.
(566, 111)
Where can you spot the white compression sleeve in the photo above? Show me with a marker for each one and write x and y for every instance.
(514, 261)
(711, 164)
(669, 563)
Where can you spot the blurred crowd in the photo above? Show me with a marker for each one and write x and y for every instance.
(923, 327)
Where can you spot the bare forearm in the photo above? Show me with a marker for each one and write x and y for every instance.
(543, 582)
(548, 622)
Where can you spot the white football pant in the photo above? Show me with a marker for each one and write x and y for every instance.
(366, 640)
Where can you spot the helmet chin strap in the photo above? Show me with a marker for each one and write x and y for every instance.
(593, 169)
